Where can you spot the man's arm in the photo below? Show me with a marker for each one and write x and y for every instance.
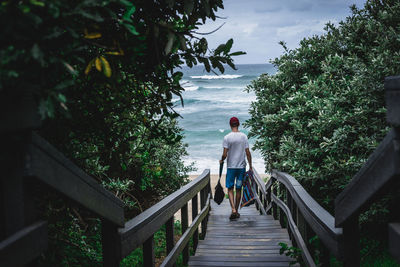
(224, 155)
(248, 154)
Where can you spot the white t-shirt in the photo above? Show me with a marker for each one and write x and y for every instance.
(236, 143)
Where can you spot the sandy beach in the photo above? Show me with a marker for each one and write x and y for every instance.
(214, 180)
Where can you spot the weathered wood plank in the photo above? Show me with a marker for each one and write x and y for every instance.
(250, 240)
(242, 252)
(269, 258)
(51, 167)
(24, 246)
(237, 247)
(247, 242)
(234, 264)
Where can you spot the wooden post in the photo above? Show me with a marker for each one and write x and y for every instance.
(308, 234)
(260, 197)
(202, 205)
(169, 234)
(258, 194)
(269, 195)
(290, 206)
(265, 203)
(109, 233)
(295, 212)
(194, 214)
(351, 243)
(17, 205)
(148, 252)
(282, 197)
(184, 216)
(325, 256)
(300, 224)
(274, 206)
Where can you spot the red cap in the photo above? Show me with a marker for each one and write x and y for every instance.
(234, 122)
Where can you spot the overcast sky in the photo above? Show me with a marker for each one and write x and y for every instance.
(257, 26)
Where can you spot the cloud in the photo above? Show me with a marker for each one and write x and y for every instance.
(307, 28)
(258, 25)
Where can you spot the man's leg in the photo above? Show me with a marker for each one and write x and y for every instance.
(238, 197)
(229, 183)
(239, 183)
(231, 199)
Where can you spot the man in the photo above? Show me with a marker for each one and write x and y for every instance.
(236, 146)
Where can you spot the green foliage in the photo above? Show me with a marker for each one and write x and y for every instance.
(323, 114)
(292, 252)
(104, 74)
(49, 47)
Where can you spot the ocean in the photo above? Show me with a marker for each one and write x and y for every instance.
(209, 102)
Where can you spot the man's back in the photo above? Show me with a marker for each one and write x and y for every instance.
(236, 143)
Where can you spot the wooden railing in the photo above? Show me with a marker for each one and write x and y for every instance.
(27, 159)
(304, 218)
(287, 201)
(140, 230)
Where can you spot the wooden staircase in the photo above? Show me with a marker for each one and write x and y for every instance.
(251, 240)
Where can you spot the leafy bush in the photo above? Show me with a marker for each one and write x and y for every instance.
(103, 75)
(323, 114)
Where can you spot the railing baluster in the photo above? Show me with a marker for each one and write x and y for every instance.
(269, 195)
(258, 194)
(109, 233)
(202, 204)
(194, 214)
(274, 206)
(169, 234)
(351, 243)
(325, 256)
(290, 206)
(281, 196)
(262, 200)
(184, 216)
(148, 252)
(260, 197)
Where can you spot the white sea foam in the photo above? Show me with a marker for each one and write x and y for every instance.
(212, 77)
(188, 86)
(221, 130)
(224, 87)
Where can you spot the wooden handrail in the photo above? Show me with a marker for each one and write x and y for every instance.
(46, 163)
(140, 228)
(297, 202)
(309, 261)
(180, 245)
(379, 171)
(320, 220)
(24, 245)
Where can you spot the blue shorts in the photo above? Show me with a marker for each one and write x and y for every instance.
(231, 175)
